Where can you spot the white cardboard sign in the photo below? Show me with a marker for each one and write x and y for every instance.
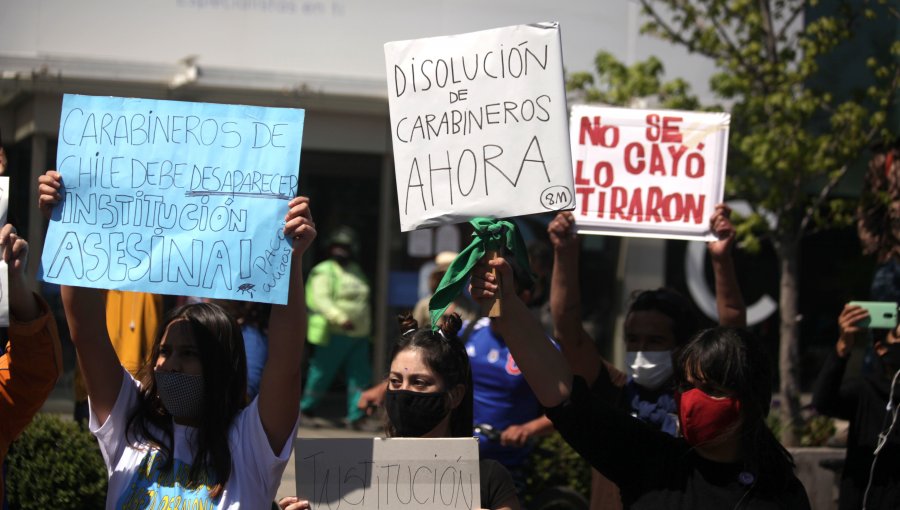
(648, 173)
(478, 123)
(380, 474)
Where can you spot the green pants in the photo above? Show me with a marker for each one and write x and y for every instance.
(349, 353)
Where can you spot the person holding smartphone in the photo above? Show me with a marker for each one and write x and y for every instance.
(865, 481)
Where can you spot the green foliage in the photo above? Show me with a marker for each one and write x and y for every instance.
(620, 85)
(814, 430)
(55, 464)
(554, 463)
(794, 133)
(791, 139)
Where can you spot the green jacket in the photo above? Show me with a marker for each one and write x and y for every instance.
(340, 294)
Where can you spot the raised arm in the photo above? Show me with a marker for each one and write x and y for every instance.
(831, 395)
(729, 301)
(86, 315)
(577, 346)
(544, 367)
(32, 363)
(613, 442)
(279, 388)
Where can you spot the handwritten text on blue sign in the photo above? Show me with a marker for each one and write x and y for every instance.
(174, 198)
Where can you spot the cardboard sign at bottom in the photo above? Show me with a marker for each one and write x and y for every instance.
(381, 474)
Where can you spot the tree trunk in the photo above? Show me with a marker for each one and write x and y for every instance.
(789, 339)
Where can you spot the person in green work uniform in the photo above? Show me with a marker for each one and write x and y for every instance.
(338, 292)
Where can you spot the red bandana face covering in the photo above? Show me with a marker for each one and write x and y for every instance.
(703, 418)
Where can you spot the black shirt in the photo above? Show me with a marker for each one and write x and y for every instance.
(497, 485)
(862, 401)
(655, 470)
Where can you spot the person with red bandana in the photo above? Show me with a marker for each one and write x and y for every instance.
(727, 457)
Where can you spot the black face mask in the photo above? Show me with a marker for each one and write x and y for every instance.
(414, 413)
(891, 358)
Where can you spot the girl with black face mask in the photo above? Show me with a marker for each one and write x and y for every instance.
(864, 401)
(429, 394)
(727, 457)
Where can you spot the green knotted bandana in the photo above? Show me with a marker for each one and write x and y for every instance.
(489, 235)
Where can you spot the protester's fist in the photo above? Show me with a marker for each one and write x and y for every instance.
(562, 231)
(720, 224)
(299, 225)
(850, 330)
(49, 185)
(515, 436)
(485, 286)
(14, 249)
(293, 503)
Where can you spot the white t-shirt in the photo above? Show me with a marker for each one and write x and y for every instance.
(135, 479)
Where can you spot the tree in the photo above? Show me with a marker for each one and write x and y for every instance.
(792, 138)
(620, 85)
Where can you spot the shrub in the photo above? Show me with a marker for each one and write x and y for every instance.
(55, 464)
(814, 430)
(554, 463)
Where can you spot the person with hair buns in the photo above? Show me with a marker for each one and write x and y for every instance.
(429, 395)
(727, 457)
(502, 398)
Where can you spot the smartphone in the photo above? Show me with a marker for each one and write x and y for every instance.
(882, 314)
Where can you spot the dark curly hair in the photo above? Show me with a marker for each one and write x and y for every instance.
(444, 353)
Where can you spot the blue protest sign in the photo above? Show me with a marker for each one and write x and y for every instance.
(173, 197)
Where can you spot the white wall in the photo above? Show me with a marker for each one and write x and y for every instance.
(337, 39)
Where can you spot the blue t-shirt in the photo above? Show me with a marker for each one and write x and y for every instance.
(256, 346)
(502, 397)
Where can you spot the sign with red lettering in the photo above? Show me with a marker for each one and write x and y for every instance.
(479, 127)
(648, 173)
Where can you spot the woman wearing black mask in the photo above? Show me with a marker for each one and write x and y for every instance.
(728, 458)
(864, 401)
(429, 394)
